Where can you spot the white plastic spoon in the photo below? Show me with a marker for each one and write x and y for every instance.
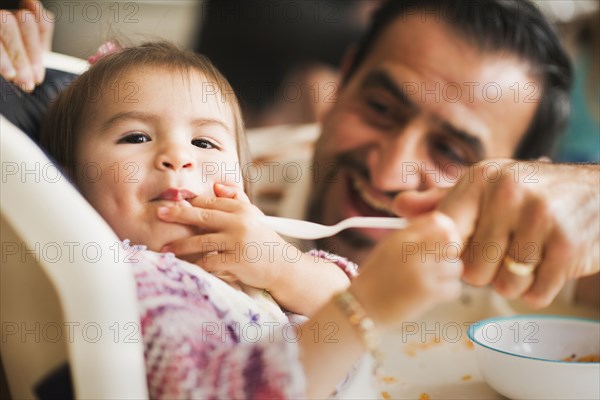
(300, 229)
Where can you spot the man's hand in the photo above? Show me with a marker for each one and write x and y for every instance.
(25, 35)
(411, 271)
(543, 215)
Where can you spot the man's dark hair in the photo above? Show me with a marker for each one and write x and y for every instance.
(516, 26)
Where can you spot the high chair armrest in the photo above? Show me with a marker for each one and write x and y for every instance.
(41, 207)
(63, 62)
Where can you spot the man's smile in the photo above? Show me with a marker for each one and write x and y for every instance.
(369, 200)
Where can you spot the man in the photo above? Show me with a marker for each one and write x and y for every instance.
(435, 88)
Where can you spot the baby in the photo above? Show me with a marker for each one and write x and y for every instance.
(150, 134)
(153, 139)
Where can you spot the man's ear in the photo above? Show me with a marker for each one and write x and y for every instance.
(348, 61)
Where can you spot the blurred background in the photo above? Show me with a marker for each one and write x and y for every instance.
(90, 22)
(81, 26)
(271, 50)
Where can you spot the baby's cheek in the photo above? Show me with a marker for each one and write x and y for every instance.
(233, 175)
(118, 213)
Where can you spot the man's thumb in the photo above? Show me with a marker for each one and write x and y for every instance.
(412, 203)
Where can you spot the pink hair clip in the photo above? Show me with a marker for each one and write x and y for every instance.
(104, 50)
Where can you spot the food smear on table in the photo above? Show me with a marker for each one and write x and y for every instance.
(470, 345)
(411, 349)
(586, 358)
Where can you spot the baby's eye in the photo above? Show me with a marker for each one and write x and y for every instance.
(203, 144)
(134, 138)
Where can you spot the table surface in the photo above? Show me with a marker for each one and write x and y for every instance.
(433, 358)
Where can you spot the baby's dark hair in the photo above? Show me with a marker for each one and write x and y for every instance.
(66, 115)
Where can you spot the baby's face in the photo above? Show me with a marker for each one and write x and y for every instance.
(155, 138)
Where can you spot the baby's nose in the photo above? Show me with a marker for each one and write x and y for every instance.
(174, 159)
(173, 166)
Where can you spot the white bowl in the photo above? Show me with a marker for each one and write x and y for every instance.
(521, 356)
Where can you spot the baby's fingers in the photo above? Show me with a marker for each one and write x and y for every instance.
(210, 220)
(226, 204)
(217, 203)
(204, 244)
(231, 192)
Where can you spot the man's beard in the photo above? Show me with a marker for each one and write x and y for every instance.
(350, 238)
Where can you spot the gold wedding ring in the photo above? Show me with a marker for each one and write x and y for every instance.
(517, 268)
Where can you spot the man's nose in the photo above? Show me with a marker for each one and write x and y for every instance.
(399, 160)
(174, 157)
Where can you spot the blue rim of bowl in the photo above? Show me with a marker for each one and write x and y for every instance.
(479, 324)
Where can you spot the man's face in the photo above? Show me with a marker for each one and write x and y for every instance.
(423, 105)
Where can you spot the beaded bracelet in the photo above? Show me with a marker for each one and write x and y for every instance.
(362, 323)
(349, 268)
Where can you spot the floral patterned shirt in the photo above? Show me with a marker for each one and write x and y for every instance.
(205, 339)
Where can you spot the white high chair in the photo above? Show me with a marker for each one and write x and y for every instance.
(66, 292)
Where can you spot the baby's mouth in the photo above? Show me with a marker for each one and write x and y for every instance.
(174, 194)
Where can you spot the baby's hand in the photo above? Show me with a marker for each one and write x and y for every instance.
(236, 246)
(427, 271)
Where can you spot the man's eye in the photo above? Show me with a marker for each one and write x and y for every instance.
(378, 107)
(134, 138)
(449, 152)
(203, 144)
